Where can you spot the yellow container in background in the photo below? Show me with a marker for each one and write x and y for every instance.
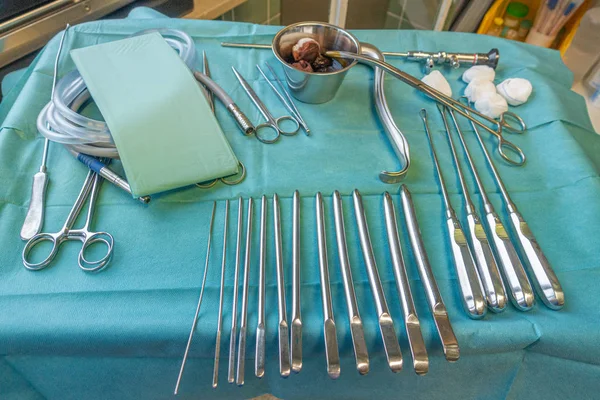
(563, 40)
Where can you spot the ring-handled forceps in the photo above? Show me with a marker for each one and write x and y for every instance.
(90, 190)
(497, 127)
(274, 124)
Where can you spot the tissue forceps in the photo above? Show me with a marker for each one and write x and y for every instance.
(90, 189)
(272, 122)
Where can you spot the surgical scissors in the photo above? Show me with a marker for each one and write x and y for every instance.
(287, 100)
(87, 237)
(272, 122)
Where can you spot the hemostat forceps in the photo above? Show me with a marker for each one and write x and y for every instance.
(272, 122)
(90, 189)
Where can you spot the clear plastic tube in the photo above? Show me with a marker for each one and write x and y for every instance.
(60, 123)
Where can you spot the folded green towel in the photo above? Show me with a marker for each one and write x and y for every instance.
(161, 123)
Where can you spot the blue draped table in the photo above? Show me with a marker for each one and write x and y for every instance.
(121, 333)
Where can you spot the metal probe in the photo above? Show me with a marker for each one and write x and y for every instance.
(238, 254)
(259, 359)
(35, 213)
(221, 293)
(296, 338)
(386, 324)
(482, 252)
(284, 336)
(544, 279)
(193, 330)
(241, 355)
(411, 319)
(331, 345)
(434, 298)
(471, 289)
(356, 326)
(519, 288)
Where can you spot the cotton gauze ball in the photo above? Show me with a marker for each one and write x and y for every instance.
(436, 80)
(516, 91)
(479, 88)
(479, 72)
(493, 106)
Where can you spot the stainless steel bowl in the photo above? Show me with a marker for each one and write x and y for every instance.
(314, 87)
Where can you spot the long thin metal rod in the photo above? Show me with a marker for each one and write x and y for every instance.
(296, 335)
(259, 359)
(434, 298)
(470, 286)
(411, 319)
(543, 276)
(482, 252)
(238, 256)
(386, 324)
(284, 337)
(361, 354)
(519, 288)
(34, 219)
(241, 355)
(329, 330)
(193, 329)
(221, 295)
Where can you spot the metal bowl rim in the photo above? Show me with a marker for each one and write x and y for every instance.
(309, 23)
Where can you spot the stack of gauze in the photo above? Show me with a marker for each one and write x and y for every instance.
(492, 100)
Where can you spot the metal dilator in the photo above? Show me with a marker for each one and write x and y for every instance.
(234, 306)
(356, 326)
(284, 337)
(215, 380)
(259, 359)
(411, 319)
(386, 324)
(296, 324)
(471, 289)
(195, 321)
(329, 327)
(434, 298)
(241, 354)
